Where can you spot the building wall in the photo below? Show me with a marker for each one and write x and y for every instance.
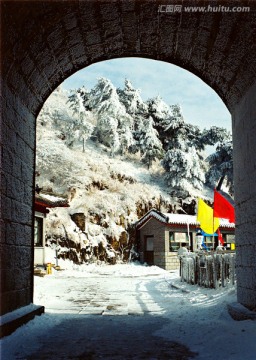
(153, 227)
(171, 258)
(162, 256)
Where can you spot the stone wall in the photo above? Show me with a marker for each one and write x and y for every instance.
(165, 260)
(17, 183)
(45, 42)
(244, 133)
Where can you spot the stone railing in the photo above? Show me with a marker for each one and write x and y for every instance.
(210, 270)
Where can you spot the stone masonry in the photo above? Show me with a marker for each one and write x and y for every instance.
(44, 42)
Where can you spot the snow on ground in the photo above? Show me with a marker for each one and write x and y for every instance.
(135, 298)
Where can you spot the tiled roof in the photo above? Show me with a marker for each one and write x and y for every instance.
(177, 219)
(50, 200)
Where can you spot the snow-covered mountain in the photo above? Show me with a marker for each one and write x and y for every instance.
(107, 194)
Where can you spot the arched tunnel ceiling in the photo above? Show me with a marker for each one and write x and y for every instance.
(45, 42)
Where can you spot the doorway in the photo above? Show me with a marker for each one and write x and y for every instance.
(149, 249)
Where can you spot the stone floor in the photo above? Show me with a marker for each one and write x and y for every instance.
(103, 319)
(93, 297)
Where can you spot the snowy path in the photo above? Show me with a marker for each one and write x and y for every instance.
(146, 319)
(104, 296)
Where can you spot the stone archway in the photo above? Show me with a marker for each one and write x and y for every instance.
(45, 42)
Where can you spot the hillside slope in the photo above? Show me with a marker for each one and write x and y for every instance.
(106, 195)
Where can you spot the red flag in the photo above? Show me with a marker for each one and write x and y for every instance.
(220, 238)
(222, 208)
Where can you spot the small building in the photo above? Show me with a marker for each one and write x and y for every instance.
(160, 235)
(43, 201)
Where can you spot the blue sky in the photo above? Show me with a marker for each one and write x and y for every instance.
(200, 104)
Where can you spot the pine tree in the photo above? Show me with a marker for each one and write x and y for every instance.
(221, 164)
(126, 139)
(131, 99)
(148, 142)
(183, 161)
(86, 97)
(184, 169)
(174, 130)
(76, 103)
(107, 132)
(78, 128)
(137, 109)
(161, 115)
(114, 124)
(214, 135)
(159, 111)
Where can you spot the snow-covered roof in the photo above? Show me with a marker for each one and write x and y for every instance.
(50, 200)
(182, 219)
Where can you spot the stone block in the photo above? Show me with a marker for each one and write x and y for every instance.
(21, 213)
(18, 234)
(24, 255)
(23, 278)
(28, 196)
(239, 312)
(93, 37)
(10, 322)
(246, 277)
(6, 208)
(246, 297)
(17, 170)
(8, 256)
(2, 231)
(14, 188)
(27, 173)
(7, 160)
(246, 254)
(8, 279)
(245, 235)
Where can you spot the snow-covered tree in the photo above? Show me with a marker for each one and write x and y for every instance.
(126, 139)
(79, 128)
(183, 161)
(125, 131)
(177, 130)
(114, 123)
(185, 143)
(106, 132)
(158, 110)
(137, 109)
(104, 98)
(148, 142)
(85, 94)
(176, 133)
(184, 169)
(214, 135)
(221, 164)
(76, 104)
(131, 99)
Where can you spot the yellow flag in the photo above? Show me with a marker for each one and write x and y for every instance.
(205, 216)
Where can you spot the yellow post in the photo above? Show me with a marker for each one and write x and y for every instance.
(49, 268)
